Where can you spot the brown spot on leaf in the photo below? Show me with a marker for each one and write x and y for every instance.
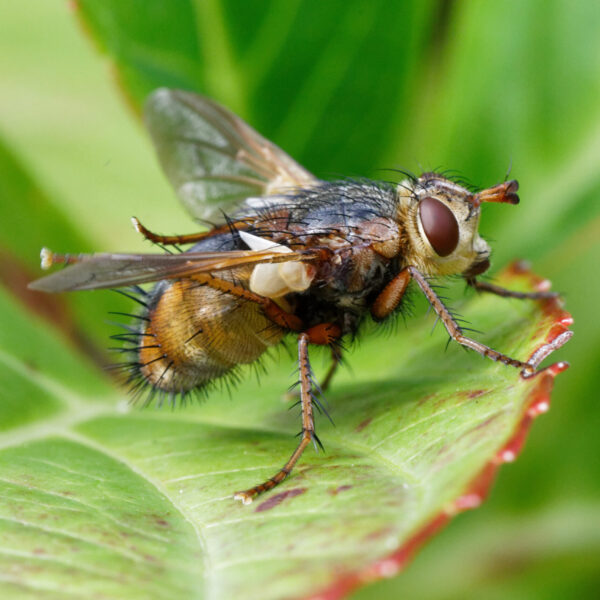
(31, 365)
(379, 533)
(363, 424)
(340, 488)
(149, 558)
(277, 499)
(424, 400)
(483, 425)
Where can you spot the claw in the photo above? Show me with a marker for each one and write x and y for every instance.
(137, 225)
(244, 497)
(47, 258)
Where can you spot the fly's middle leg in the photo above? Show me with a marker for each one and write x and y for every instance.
(484, 286)
(336, 359)
(307, 434)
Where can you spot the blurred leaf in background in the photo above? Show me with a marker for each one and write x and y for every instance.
(348, 88)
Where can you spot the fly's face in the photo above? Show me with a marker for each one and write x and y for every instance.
(441, 220)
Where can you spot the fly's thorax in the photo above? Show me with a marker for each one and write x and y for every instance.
(195, 334)
(440, 223)
(343, 218)
(383, 235)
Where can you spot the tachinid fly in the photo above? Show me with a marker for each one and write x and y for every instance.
(289, 254)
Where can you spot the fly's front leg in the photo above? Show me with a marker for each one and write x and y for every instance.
(484, 286)
(308, 426)
(390, 297)
(455, 331)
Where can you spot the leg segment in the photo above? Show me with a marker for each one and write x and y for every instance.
(390, 296)
(484, 286)
(191, 238)
(336, 359)
(455, 331)
(308, 427)
(324, 334)
(272, 310)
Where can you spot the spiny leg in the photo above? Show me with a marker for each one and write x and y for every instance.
(336, 359)
(455, 331)
(190, 238)
(308, 427)
(327, 334)
(323, 334)
(484, 286)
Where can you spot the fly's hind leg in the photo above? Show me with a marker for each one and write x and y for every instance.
(484, 286)
(191, 238)
(308, 426)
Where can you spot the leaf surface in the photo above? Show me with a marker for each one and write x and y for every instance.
(137, 504)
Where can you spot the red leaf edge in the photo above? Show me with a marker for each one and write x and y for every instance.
(478, 489)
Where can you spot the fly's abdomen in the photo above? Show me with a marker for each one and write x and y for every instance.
(195, 334)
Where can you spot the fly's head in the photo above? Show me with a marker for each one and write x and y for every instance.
(441, 221)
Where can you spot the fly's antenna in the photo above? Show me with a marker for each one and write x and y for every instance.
(508, 171)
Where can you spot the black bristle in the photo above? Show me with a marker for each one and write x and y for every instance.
(130, 315)
(130, 296)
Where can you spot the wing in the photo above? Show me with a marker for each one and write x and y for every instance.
(213, 159)
(98, 271)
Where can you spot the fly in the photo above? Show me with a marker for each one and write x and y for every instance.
(295, 255)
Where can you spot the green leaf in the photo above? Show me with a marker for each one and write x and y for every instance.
(96, 498)
(486, 85)
(248, 58)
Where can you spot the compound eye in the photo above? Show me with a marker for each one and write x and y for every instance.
(439, 226)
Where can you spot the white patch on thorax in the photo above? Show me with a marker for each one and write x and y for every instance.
(276, 280)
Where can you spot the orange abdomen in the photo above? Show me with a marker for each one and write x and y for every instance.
(196, 334)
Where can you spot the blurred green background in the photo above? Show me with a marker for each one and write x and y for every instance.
(349, 88)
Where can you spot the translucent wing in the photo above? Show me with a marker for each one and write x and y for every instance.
(213, 159)
(97, 271)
